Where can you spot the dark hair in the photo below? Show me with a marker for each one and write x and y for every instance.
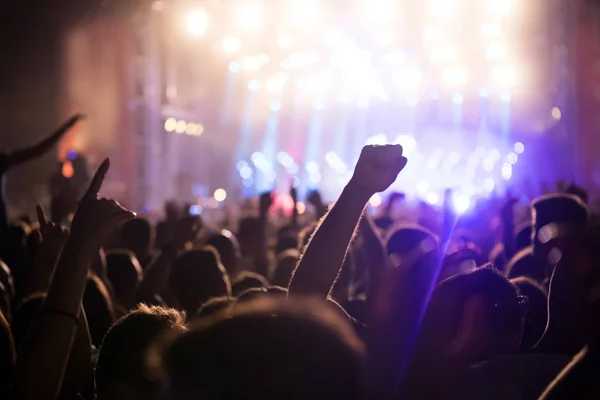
(228, 250)
(215, 305)
(248, 280)
(536, 315)
(296, 350)
(285, 265)
(505, 309)
(99, 309)
(137, 234)
(124, 273)
(196, 276)
(404, 238)
(121, 358)
(524, 264)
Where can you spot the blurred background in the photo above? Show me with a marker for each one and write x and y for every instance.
(210, 100)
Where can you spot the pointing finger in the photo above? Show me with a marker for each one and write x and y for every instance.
(97, 180)
(41, 216)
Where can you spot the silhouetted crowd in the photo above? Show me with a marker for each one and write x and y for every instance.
(409, 301)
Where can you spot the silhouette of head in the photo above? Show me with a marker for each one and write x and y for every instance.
(285, 265)
(291, 350)
(196, 276)
(248, 280)
(137, 235)
(228, 249)
(125, 274)
(120, 368)
(536, 315)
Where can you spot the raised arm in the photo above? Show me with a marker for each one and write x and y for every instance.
(376, 170)
(45, 353)
(39, 149)
(156, 274)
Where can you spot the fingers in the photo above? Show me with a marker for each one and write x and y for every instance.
(41, 216)
(98, 179)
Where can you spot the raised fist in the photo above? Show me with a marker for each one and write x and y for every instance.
(377, 168)
(51, 232)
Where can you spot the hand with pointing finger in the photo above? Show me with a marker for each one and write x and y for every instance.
(97, 218)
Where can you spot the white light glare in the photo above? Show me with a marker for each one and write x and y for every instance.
(506, 171)
(432, 198)
(556, 113)
(461, 204)
(220, 195)
(455, 76)
(503, 77)
(496, 51)
(254, 85)
(519, 148)
(231, 44)
(490, 30)
(197, 22)
(249, 17)
(375, 200)
(284, 41)
(489, 185)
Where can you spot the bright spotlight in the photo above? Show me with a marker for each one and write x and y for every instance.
(432, 198)
(231, 44)
(408, 143)
(499, 7)
(249, 17)
(377, 140)
(432, 33)
(519, 148)
(490, 30)
(284, 41)
(303, 13)
(458, 98)
(275, 105)
(461, 203)
(180, 126)
(506, 171)
(234, 67)
(220, 195)
(277, 83)
(375, 200)
(197, 22)
(246, 172)
(455, 76)
(556, 113)
(170, 124)
(409, 79)
(319, 105)
(422, 186)
(489, 185)
(512, 158)
(503, 77)
(254, 85)
(496, 52)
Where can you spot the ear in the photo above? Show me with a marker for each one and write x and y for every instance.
(471, 332)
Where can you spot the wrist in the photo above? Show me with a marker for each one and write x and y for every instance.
(358, 192)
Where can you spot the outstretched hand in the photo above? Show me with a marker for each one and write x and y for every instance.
(377, 168)
(97, 218)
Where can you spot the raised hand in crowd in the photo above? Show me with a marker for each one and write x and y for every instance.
(376, 169)
(48, 346)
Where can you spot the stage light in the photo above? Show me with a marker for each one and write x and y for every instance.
(284, 41)
(458, 98)
(319, 105)
(506, 171)
(489, 185)
(385, 38)
(519, 148)
(276, 83)
(315, 178)
(275, 105)
(246, 172)
(180, 126)
(270, 175)
(375, 200)
(512, 158)
(253, 85)
(170, 124)
(231, 44)
(408, 143)
(249, 182)
(422, 186)
(499, 7)
(496, 52)
(484, 92)
(490, 30)
(432, 198)
(461, 203)
(377, 140)
(412, 101)
(190, 129)
(556, 113)
(197, 22)
(443, 8)
(248, 17)
(241, 164)
(488, 164)
(432, 33)
(503, 77)
(300, 207)
(304, 14)
(409, 79)
(234, 67)
(255, 62)
(506, 97)
(445, 54)
(312, 167)
(220, 195)
(455, 76)
(284, 159)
